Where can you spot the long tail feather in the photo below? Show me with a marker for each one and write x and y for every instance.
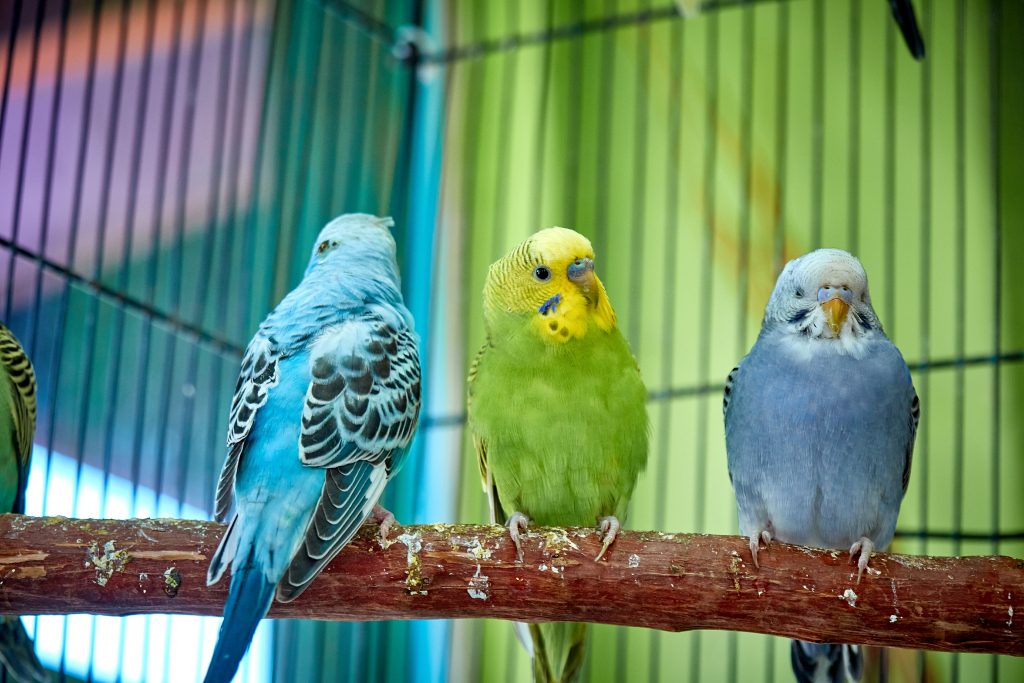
(826, 662)
(558, 651)
(903, 13)
(17, 654)
(248, 602)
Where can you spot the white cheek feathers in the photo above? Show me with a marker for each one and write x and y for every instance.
(813, 335)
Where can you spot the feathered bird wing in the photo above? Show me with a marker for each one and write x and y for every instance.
(497, 515)
(255, 380)
(358, 419)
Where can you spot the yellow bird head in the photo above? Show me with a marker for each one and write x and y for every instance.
(549, 282)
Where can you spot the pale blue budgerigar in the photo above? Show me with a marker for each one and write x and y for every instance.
(324, 410)
(17, 429)
(820, 419)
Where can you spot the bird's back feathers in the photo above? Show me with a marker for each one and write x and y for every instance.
(364, 392)
(350, 492)
(325, 408)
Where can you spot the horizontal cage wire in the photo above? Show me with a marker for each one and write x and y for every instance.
(165, 166)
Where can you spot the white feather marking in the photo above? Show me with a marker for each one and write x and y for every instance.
(378, 478)
(336, 340)
(808, 348)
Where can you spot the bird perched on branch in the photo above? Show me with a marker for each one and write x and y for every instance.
(820, 419)
(324, 410)
(556, 408)
(17, 427)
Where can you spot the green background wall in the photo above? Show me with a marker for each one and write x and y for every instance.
(699, 155)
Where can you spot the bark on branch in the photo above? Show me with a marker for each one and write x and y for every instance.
(673, 582)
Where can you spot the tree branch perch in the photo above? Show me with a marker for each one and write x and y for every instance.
(673, 582)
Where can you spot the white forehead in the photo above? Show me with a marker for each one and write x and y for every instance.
(827, 267)
(357, 226)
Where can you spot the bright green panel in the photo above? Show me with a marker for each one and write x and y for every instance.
(579, 131)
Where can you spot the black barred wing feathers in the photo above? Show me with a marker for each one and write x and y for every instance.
(358, 419)
(257, 376)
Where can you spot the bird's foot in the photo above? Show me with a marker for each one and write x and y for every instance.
(865, 547)
(755, 543)
(609, 526)
(385, 519)
(517, 522)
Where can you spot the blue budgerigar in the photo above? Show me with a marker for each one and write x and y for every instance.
(324, 410)
(820, 419)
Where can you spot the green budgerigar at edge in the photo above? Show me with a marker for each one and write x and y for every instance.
(17, 427)
(557, 409)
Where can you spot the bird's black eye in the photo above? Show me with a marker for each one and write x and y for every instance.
(799, 293)
(323, 247)
(542, 273)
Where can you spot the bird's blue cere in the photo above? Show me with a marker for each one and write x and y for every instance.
(550, 304)
(826, 293)
(580, 267)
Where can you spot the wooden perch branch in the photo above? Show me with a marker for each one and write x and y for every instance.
(673, 582)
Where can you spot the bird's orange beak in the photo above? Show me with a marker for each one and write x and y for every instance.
(835, 314)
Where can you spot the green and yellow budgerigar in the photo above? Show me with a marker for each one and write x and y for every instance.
(557, 409)
(17, 427)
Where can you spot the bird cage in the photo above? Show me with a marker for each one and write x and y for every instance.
(165, 166)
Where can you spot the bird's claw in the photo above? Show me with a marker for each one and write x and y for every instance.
(865, 547)
(755, 543)
(517, 522)
(609, 527)
(385, 519)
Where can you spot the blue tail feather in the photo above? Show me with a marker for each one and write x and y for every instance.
(249, 600)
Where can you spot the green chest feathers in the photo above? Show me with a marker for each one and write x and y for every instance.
(565, 427)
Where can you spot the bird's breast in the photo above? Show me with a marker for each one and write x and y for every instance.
(566, 432)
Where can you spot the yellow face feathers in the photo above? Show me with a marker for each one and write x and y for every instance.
(550, 280)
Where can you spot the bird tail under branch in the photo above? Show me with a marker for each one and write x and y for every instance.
(17, 654)
(826, 662)
(558, 651)
(249, 600)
